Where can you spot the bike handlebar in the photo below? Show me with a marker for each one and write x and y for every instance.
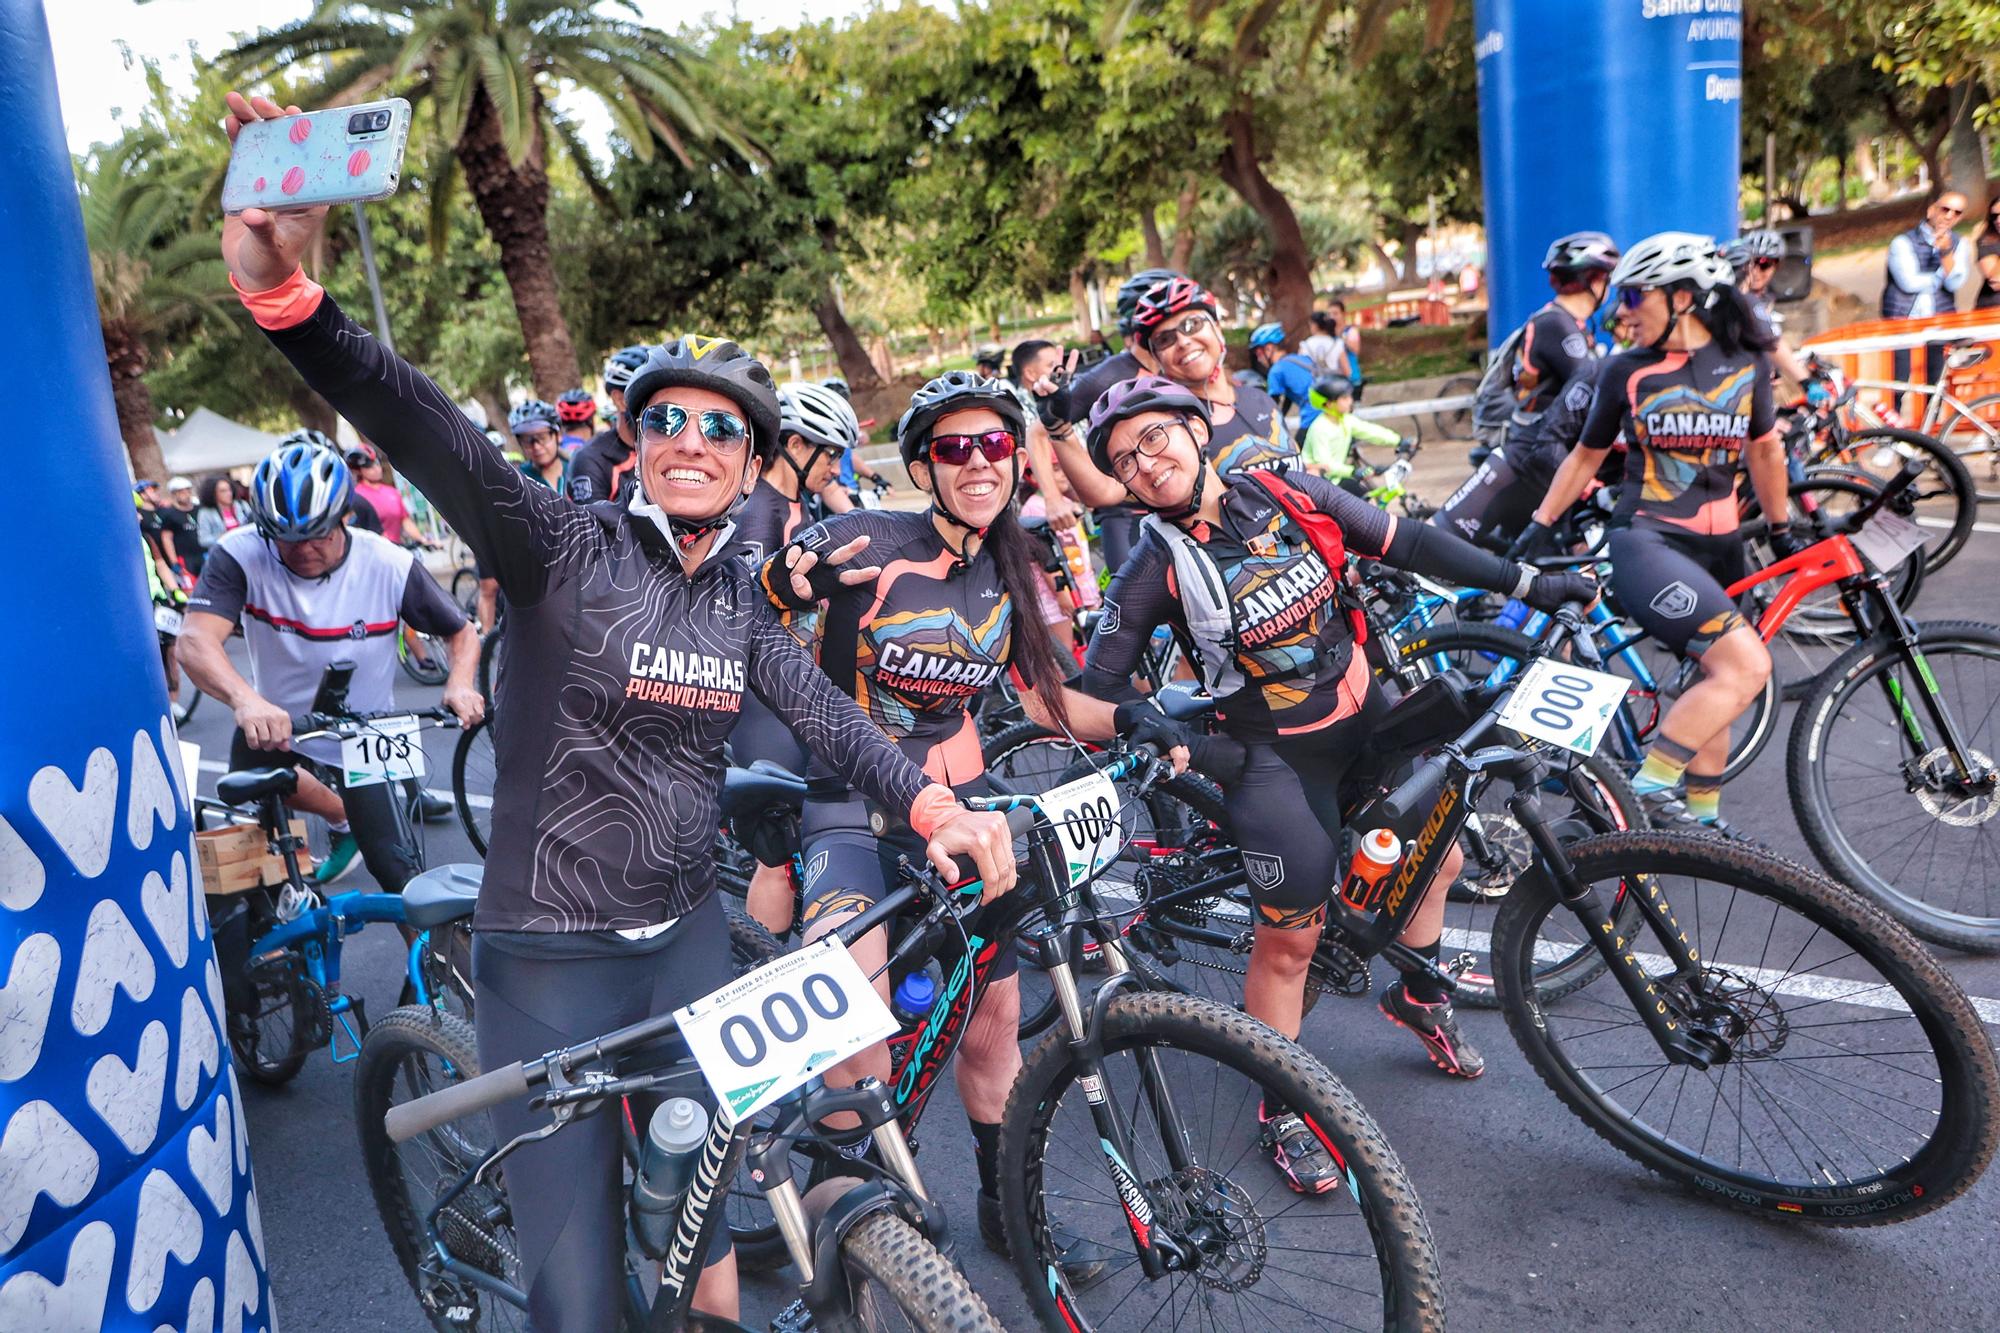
(311, 726)
(481, 1093)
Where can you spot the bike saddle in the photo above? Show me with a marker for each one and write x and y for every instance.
(443, 894)
(248, 785)
(1184, 701)
(751, 791)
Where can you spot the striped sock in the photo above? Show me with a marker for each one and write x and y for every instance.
(1704, 797)
(1665, 763)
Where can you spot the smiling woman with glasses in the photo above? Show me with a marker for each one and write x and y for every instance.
(1175, 334)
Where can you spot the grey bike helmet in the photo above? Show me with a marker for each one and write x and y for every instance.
(1582, 252)
(623, 365)
(717, 364)
(1670, 257)
(956, 391)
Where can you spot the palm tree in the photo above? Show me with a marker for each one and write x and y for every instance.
(155, 281)
(488, 70)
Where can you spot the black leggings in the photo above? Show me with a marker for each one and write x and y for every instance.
(540, 992)
(1286, 814)
(1672, 583)
(1494, 503)
(378, 816)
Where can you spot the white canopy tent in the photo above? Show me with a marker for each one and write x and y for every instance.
(210, 442)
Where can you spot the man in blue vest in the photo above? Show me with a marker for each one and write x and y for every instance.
(1927, 265)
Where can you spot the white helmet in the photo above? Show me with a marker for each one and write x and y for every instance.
(817, 413)
(1669, 257)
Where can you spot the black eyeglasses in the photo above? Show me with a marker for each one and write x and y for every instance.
(724, 431)
(1152, 442)
(956, 450)
(1162, 339)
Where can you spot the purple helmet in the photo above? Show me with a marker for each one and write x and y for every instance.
(1127, 399)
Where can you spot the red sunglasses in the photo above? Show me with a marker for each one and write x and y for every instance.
(956, 450)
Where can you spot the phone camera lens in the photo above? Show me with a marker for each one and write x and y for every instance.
(358, 124)
(381, 120)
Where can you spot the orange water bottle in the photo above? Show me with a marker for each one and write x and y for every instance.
(1375, 855)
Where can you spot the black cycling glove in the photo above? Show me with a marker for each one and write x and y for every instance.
(1533, 541)
(1548, 592)
(1140, 723)
(823, 578)
(1786, 540)
(1053, 407)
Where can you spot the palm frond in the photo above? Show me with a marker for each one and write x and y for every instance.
(503, 81)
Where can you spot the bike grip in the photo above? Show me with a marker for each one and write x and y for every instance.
(426, 1113)
(1020, 820)
(1419, 786)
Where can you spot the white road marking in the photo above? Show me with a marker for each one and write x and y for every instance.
(1925, 520)
(472, 799)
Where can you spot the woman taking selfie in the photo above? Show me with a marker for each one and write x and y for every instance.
(641, 635)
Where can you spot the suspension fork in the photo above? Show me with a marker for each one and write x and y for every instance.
(1680, 1043)
(1898, 630)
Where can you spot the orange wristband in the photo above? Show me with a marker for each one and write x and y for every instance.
(935, 805)
(284, 306)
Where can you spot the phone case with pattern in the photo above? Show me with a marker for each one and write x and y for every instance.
(340, 155)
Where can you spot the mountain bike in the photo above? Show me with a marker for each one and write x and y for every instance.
(279, 949)
(1133, 1127)
(1726, 1018)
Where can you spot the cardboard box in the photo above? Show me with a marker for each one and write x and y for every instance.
(236, 858)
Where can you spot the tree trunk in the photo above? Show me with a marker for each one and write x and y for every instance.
(1079, 297)
(1156, 249)
(1386, 264)
(1177, 258)
(855, 367)
(513, 201)
(313, 411)
(1407, 238)
(494, 399)
(1840, 185)
(1289, 274)
(1964, 165)
(1926, 131)
(125, 355)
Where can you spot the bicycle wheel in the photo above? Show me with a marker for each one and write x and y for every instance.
(1455, 423)
(271, 1044)
(465, 590)
(1859, 1087)
(899, 1280)
(1886, 813)
(183, 707)
(410, 1053)
(489, 664)
(475, 771)
(1946, 499)
(1188, 1077)
(425, 661)
(1974, 435)
(1030, 759)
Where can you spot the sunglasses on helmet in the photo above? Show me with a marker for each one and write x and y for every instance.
(724, 431)
(956, 450)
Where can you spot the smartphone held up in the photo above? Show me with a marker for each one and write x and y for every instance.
(342, 155)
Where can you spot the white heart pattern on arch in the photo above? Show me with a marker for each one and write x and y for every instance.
(167, 1223)
(40, 1153)
(170, 746)
(199, 1053)
(80, 820)
(208, 1157)
(165, 902)
(128, 1097)
(113, 956)
(31, 1301)
(149, 795)
(239, 1284)
(21, 874)
(200, 1311)
(25, 1001)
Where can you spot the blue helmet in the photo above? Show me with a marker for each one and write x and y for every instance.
(300, 492)
(531, 416)
(1268, 335)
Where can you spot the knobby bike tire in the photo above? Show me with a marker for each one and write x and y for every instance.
(1815, 747)
(419, 1032)
(1455, 423)
(1953, 486)
(1377, 1188)
(431, 671)
(474, 823)
(885, 1253)
(300, 1001)
(1777, 1032)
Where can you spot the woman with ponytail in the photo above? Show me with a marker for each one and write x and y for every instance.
(923, 611)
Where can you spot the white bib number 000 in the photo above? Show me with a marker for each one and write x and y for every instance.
(1085, 814)
(390, 750)
(768, 1032)
(1564, 704)
(1888, 540)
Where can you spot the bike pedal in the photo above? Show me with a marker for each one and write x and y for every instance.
(794, 1318)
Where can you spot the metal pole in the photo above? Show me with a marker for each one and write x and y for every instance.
(374, 278)
(1770, 179)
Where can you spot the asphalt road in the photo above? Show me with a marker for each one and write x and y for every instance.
(1539, 1224)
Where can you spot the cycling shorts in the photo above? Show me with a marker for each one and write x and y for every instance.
(1672, 583)
(377, 816)
(849, 868)
(1286, 814)
(540, 991)
(1494, 503)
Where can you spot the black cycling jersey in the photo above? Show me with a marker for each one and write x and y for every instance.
(1091, 384)
(1553, 344)
(915, 645)
(1255, 437)
(767, 520)
(1295, 646)
(1685, 417)
(628, 671)
(604, 469)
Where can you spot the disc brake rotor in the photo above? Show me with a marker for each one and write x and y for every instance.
(1215, 1216)
(1944, 799)
(1748, 1015)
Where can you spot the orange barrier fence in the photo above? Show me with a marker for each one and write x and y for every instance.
(1867, 351)
(1422, 310)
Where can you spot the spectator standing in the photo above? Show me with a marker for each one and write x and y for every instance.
(177, 518)
(1927, 265)
(1987, 258)
(1334, 346)
(220, 510)
(382, 496)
